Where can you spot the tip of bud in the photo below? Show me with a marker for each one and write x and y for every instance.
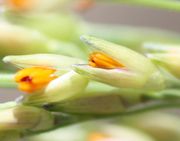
(7, 59)
(86, 39)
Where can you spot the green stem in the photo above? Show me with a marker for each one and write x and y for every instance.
(66, 120)
(166, 4)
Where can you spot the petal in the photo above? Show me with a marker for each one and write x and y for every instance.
(46, 60)
(121, 78)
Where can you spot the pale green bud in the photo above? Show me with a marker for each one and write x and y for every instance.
(16, 39)
(61, 88)
(162, 126)
(66, 83)
(137, 71)
(91, 131)
(60, 26)
(25, 117)
(165, 55)
(170, 61)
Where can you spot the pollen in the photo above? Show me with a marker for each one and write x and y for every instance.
(33, 79)
(100, 60)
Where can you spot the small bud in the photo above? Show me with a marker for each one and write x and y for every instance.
(166, 56)
(49, 78)
(19, 40)
(25, 117)
(170, 61)
(61, 88)
(30, 41)
(119, 66)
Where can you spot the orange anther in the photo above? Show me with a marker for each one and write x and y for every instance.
(35, 78)
(100, 60)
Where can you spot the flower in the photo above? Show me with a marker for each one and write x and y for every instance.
(47, 77)
(119, 66)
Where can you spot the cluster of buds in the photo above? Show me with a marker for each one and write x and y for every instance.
(59, 87)
(60, 83)
(51, 78)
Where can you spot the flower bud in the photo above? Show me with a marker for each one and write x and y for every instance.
(94, 131)
(49, 78)
(18, 40)
(61, 88)
(59, 26)
(119, 66)
(31, 41)
(25, 117)
(166, 56)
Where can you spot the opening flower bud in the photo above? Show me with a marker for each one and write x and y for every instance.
(34, 79)
(119, 66)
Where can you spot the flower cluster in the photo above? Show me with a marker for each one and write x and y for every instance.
(65, 80)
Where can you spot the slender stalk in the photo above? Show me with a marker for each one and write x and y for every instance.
(165, 4)
(63, 120)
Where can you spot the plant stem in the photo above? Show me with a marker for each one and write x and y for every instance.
(165, 4)
(67, 120)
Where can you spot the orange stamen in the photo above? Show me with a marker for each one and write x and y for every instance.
(97, 137)
(100, 60)
(35, 78)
